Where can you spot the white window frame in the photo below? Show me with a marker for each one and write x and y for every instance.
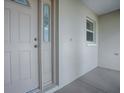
(91, 43)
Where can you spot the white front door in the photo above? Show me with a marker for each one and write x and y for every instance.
(21, 57)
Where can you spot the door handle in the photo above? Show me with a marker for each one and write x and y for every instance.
(35, 46)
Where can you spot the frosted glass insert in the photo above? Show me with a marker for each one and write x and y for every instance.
(46, 23)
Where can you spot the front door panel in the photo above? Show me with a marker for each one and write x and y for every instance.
(21, 62)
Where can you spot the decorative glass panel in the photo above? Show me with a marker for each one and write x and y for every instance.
(89, 25)
(23, 2)
(46, 23)
(89, 36)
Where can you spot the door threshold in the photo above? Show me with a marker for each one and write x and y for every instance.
(35, 91)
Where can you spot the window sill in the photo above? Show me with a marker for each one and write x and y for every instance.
(91, 44)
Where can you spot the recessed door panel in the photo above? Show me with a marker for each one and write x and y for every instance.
(25, 65)
(7, 22)
(25, 27)
(7, 68)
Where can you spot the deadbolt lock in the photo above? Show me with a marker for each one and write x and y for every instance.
(35, 39)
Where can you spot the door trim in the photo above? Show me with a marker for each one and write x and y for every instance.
(39, 45)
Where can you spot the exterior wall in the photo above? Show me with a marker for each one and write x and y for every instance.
(76, 57)
(109, 41)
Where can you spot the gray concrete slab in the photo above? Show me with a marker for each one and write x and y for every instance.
(99, 80)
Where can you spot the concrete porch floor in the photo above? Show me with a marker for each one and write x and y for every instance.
(99, 80)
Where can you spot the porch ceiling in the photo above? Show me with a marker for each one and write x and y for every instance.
(101, 7)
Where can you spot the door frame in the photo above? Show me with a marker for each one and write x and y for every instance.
(55, 46)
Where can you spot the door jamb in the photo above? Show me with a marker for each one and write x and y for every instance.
(39, 45)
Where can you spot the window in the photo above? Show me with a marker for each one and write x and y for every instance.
(46, 23)
(90, 30)
(22, 2)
